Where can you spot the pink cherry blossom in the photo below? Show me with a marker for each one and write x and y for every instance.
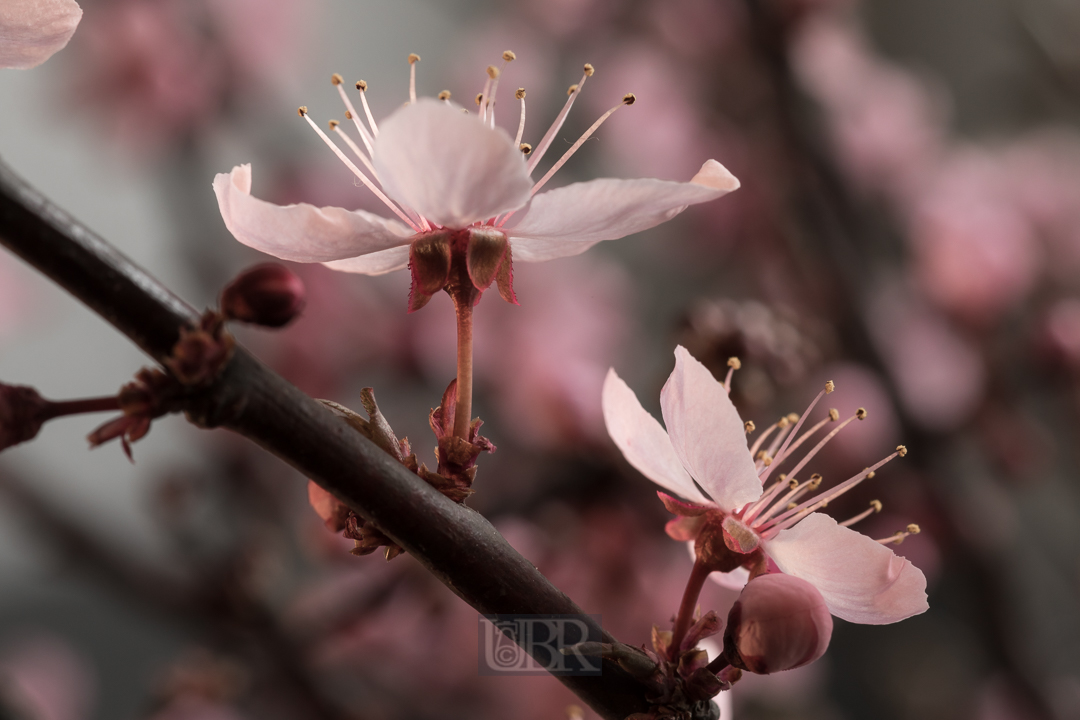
(442, 170)
(703, 457)
(32, 30)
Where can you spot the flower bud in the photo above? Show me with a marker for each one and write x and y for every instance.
(779, 622)
(269, 294)
(22, 412)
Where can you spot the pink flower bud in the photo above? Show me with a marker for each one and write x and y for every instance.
(779, 622)
(267, 294)
(22, 412)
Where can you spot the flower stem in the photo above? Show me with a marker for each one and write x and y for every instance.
(686, 609)
(77, 407)
(463, 413)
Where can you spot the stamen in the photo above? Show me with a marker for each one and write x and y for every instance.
(350, 114)
(762, 437)
(413, 59)
(520, 95)
(777, 487)
(792, 516)
(786, 502)
(817, 448)
(749, 426)
(482, 99)
(733, 364)
(445, 96)
(336, 127)
(509, 56)
(898, 537)
(875, 507)
(798, 443)
(525, 148)
(357, 171)
(493, 73)
(627, 100)
(362, 87)
(829, 387)
(549, 136)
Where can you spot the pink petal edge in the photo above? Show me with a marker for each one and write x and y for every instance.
(708, 435)
(861, 580)
(31, 31)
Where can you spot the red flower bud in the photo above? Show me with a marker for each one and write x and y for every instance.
(22, 412)
(269, 294)
(779, 622)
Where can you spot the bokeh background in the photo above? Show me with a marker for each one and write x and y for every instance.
(908, 226)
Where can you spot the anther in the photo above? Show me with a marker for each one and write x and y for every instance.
(783, 423)
(348, 115)
(870, 475)
(629, 99)
(589, 70)
(734, 363)
(793, 417)
(302, 110)
(766, 459)
(901, 450)
(815, 481)
(520, 94)
(525, 148)
(336, 79)
(444, 95)
(572, 89)
(334, 124)
(509, 55)
(749, 426)
(413, 58)
(791, 506)
(492, 71)
(876, 504)
(479, 98)
(914, 529)
(361, 85)
(861, 413)
(829, 386)
(834, 414)
(792, 483)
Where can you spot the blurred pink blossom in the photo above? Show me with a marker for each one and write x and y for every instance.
(49, 678)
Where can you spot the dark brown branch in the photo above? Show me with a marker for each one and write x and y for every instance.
(454, 542)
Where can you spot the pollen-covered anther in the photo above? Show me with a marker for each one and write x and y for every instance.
(479, 98)
(572, 89)
(336, 79)
(413, 58)
(749, 426)
(629, 99)
(834, 414)
(520, 94)
(589, 70)
(792, 483)
(734, 363)
(333, 124)
(361, 85)
(870, 475)
(508, 55)
(348, 115)
(793, 417)
(302, 110)
(783, 423)
(444, 95)
(525, 148)
(815, 481)
(914, 529)
(829, 386)
(876, 505)
(901, 450)
(492, 72)
(861, 413)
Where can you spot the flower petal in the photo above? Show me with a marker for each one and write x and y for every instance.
(32, 30)
(861, 580)
(708, 435)
(449, 166)
(571, 219)
(376, 263)
(643, 442)
(302, 233)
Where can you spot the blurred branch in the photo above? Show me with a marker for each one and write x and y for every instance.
(454, 542)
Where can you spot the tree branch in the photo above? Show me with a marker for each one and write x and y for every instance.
(454, 542)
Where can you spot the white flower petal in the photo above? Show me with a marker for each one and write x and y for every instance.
(32, 30)
(708, 434)
(643, 442)
(449, 166)
(376, 263)
(302, 233)
(572, 219)
(861, 580)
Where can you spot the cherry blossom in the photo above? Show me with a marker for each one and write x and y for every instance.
(32, 30)
(737, 519)
(456, 184)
